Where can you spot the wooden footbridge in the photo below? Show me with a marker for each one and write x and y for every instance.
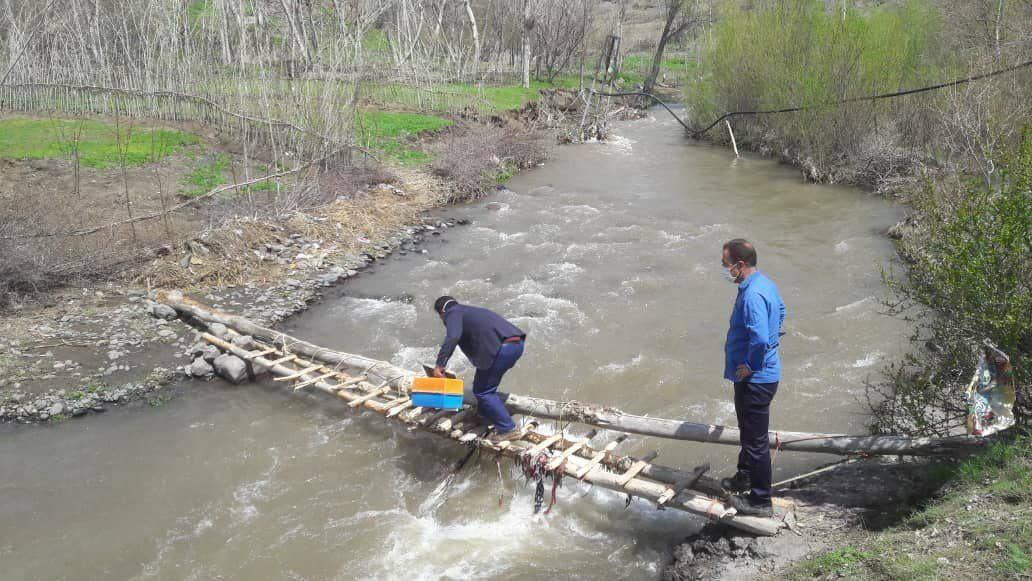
(379, 386)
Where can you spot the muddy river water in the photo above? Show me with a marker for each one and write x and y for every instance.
(608, 257)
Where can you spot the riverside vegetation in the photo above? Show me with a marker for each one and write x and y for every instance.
(961, 158)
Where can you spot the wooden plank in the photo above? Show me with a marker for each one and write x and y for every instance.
(399, 408)
(383, 407)
(316, 379)
(635, 468)
(350, 382)
(683, 484)
(524, 432)
(262, 353)
(432, 418)
(557, 460)
(593, 463)
(361, 400)
(538, 448)
(446, 424)
(412, 416)
(298, 374)
(282, 360)
(476, 432)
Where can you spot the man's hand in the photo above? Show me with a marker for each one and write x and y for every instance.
(743, 372)
(438, 372)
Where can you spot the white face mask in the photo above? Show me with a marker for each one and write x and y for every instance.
(730, 277)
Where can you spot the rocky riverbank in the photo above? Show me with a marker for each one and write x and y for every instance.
(822, 510)
(91, 349)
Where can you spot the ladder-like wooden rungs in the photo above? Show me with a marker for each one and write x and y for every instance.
(316, 379)
(636, 468)
(593, 463)
(557, 460)
(361, 400)
(679, 486)
(282, 360)
(298, 374)
(399, 408)
(256, 354)
(523, 434)
(383, 407)
(473, 434)
(537, 449)
(445, 424)
(350, 382)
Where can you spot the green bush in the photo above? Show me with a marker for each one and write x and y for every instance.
(971, 261)
(788, 54)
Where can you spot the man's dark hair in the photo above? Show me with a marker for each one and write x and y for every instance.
(741, 249)
(442, 302)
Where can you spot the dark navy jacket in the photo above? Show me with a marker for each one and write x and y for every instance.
(478, 332)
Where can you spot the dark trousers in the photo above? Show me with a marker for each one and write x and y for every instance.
(752, 406)
(485, 386)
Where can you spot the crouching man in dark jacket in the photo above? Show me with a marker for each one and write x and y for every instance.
(493, 345)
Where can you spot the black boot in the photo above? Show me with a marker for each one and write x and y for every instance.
(740, 482)
(749, 506)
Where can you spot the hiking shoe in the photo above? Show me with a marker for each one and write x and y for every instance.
(496, 438)
(747, 505)
(738, 483)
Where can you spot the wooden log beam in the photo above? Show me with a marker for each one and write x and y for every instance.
(594, 415)
(376, 370)
(620, 421)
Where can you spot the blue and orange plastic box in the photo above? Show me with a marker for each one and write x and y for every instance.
(437, 392)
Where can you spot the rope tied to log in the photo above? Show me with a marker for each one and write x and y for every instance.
(709, 509)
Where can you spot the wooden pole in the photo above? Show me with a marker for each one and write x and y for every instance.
(732, 134)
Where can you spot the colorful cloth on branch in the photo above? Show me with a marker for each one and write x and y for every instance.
(991, 394)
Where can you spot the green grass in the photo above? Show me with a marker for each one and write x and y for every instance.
(100, 144)
(980, 528)
(272, 97)
(385, 132)
(206, 177)
(200, 9)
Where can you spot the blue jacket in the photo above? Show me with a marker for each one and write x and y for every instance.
(752, 338)
(478, 332)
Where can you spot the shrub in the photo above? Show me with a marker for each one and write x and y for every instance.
(785, 54)
(970, 261)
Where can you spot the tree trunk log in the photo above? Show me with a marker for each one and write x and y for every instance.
(590, 414)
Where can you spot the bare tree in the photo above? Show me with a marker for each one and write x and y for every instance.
(680, 16)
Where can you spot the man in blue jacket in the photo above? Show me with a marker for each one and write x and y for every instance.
(493, 345)
(751, 361)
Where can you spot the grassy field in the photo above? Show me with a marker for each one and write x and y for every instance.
(100, 145)
(386, 131)
(980, 528)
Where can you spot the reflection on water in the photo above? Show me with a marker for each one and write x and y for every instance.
(609, 258)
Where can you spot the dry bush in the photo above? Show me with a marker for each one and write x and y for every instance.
(474, 158)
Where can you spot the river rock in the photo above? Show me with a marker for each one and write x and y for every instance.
(163, 311)
(231, 368)
(218, 329)
(243, 341)
(197, 348)
(56, 409)
(201, 368)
